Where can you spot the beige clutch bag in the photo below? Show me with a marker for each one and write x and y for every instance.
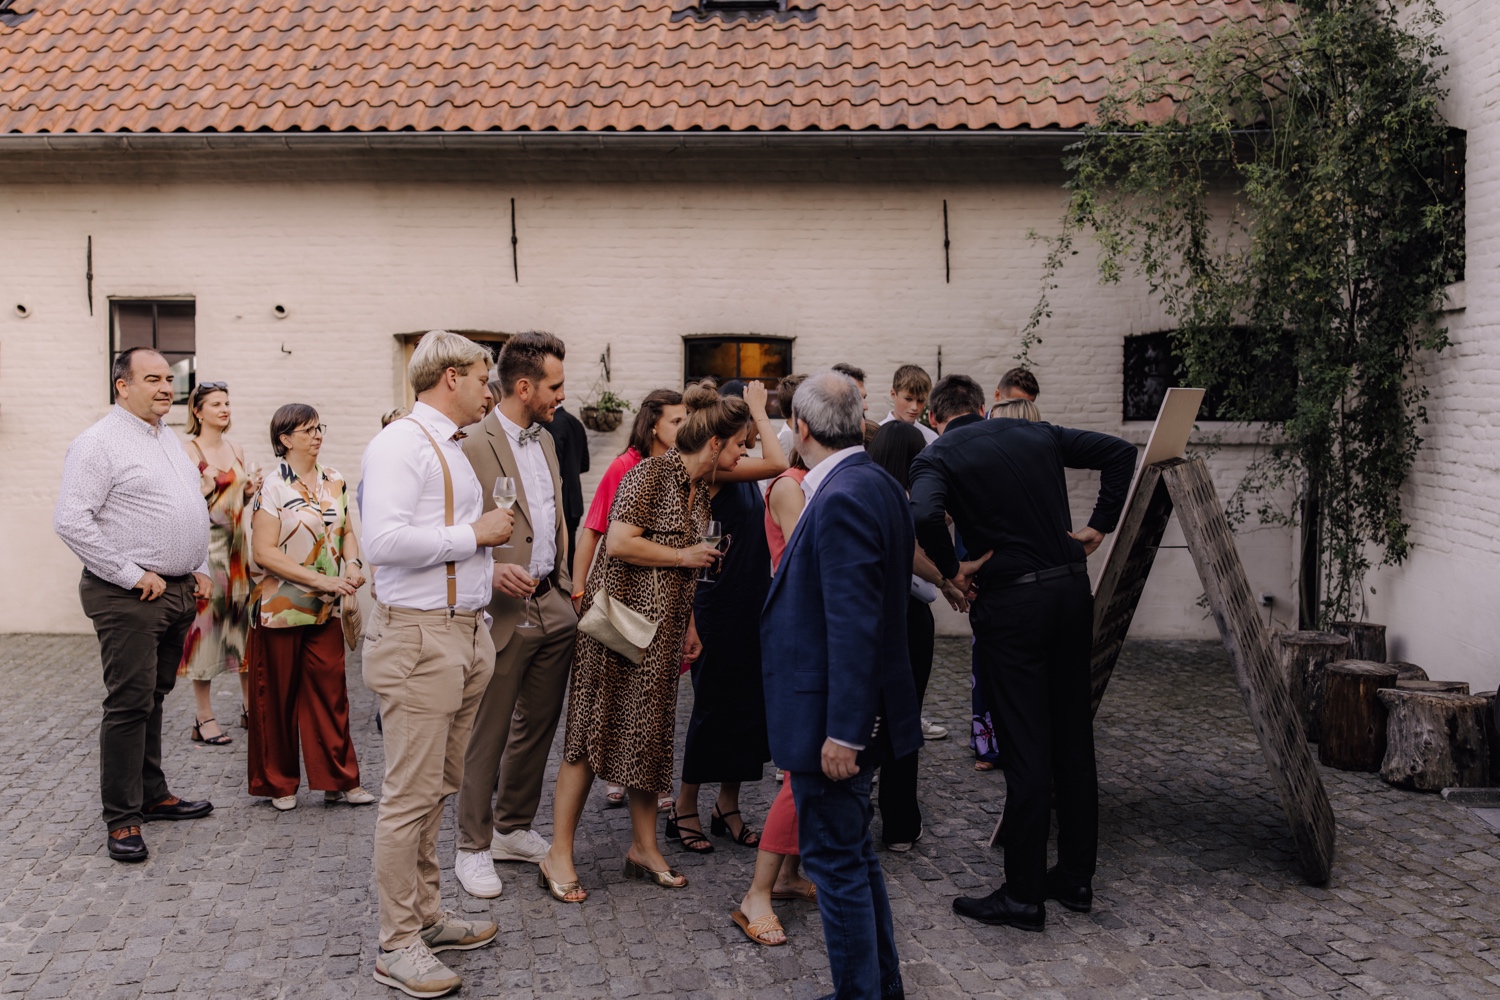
(618, 626)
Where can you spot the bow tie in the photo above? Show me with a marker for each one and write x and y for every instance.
(530, 434)
(458, 436)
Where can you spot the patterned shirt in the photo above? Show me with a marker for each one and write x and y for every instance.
(130, 502)
(314, 516)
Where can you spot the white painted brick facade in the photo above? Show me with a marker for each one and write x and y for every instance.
(853, 271)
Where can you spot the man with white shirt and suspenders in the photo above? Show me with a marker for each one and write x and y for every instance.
(428, 654)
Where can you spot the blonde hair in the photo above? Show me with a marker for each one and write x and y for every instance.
(439, 350)
(710, 415)
(391, 416)
(1017, 409)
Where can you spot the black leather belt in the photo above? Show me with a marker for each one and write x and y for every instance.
(1043, 575)
(543, 587)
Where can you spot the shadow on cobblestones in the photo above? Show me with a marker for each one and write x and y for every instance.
(1198, 892)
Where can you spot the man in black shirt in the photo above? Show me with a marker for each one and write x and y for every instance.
(572, 443)
(1003, 483)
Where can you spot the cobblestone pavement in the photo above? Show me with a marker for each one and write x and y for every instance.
(1197, 892)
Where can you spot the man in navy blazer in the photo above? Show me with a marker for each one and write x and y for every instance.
(833, 641)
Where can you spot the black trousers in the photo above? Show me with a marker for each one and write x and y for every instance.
(140, 644)
(900, 816)
(1032, 647)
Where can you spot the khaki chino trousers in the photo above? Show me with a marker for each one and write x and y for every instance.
(430, 671)
(513, 731)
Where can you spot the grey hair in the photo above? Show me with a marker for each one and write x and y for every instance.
(830, 404)
(439, 350)
(1019, 408)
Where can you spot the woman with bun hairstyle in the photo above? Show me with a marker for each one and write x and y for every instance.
(654, 432)
(622, 715)
(726, 737)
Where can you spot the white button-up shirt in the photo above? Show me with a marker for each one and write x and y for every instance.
(541, 504)
(405, 538)
(819, 472)
(130, 501)
(928, 434)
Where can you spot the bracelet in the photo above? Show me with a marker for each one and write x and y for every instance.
(360, 563)
(679, 558)
(578, 596)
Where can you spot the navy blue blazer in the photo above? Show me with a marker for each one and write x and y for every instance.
(833, 631)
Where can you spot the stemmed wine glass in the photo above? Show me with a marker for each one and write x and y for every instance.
(713, 533)
(504, 492)
(529, 604)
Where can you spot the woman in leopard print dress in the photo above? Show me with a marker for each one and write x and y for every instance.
(622, 715)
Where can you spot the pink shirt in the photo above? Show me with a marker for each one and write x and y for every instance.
(604, 496)
(774, 538)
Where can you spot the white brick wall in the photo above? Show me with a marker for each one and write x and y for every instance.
(1441, 606)
(853, 271)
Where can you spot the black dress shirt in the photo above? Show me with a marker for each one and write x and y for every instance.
(1002, 481)
(572, 460)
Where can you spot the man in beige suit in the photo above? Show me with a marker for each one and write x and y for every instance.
(518, 715)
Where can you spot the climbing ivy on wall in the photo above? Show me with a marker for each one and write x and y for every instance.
(1292, 196)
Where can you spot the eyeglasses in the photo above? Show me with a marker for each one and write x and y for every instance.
(213, 386)
(318, 429)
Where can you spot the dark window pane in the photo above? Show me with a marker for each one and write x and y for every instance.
(712, 359)
(175, 327)
(134, 326)
(1150, 370)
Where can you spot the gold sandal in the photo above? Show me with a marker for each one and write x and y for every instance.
(666, 879)
(559, 890)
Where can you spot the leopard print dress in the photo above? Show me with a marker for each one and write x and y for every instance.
(622, 716)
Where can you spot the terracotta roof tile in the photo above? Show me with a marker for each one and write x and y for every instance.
(445, 65)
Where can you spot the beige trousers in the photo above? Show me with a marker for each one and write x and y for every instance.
(513, 731)
(429, 671)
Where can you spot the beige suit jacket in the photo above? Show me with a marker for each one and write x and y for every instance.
(490, 453)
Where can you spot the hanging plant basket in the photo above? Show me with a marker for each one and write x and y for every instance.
(599, 420)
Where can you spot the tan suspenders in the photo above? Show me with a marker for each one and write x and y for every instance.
(452, 567)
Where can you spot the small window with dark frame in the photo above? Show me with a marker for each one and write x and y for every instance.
(1153, 365)
(764, 359)
(1452, 193)
(168, 326)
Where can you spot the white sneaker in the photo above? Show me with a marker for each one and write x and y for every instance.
(285, 803)
(476, 873)
(522, 845)
(933, 731)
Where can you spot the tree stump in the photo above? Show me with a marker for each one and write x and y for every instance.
(1435, 740)
(1366, 640)
(1353, 721)
(1302, 657)
(1492, 732)
(1432, 687)
(1409, 671)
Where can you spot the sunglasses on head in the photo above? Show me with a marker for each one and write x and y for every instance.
(207, 387)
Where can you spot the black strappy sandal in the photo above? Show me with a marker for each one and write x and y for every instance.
(691, 840)
(718, 823)
(223, 739)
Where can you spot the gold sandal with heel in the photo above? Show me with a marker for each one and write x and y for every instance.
(666, 879)
(559, 890)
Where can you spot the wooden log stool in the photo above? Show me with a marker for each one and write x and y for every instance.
(1353, 721)
(1366, 640)
(1409, 671)
(1302, 657)
(1432, 687)
(1435, 740)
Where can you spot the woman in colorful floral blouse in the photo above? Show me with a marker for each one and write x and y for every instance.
(216, 642)
(304, 543)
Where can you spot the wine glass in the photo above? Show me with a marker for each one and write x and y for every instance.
(527, 606)
(713, 532)
(504, 492)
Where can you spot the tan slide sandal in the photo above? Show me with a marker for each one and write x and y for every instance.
(757, 929)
